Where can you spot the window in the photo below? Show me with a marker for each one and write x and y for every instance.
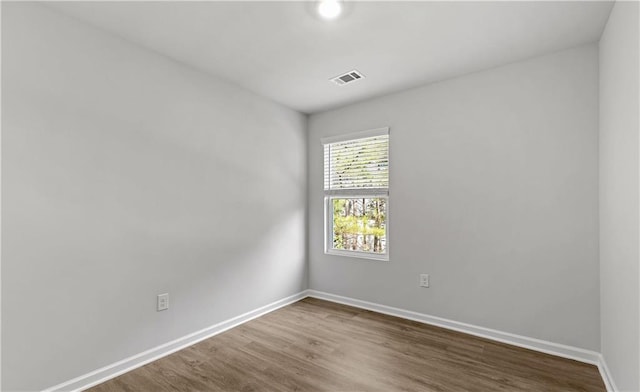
(356, 190)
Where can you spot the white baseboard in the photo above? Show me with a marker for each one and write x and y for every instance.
(559, 350)
(110, 371)
(606, 375)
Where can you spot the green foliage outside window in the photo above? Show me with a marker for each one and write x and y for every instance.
(360, 224)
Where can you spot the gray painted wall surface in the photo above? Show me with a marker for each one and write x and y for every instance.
(126, 175)
(619, 196)
(494, 193)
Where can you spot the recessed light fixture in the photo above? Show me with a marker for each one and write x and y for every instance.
(329, 9)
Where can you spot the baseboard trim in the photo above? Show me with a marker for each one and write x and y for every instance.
(559, 350)
(111, 371)
(605, 373)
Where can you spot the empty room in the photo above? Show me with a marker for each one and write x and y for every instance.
(339, 196)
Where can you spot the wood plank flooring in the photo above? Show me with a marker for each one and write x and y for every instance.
(315, 345)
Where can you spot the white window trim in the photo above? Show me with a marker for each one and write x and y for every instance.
(356, 194)
(355, 135)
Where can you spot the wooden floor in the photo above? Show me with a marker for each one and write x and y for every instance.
(314, 345)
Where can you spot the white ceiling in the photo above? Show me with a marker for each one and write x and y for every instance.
(283, 51)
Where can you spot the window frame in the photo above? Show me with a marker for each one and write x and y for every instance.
(366, 193)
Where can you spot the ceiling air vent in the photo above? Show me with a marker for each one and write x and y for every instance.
(349, 77)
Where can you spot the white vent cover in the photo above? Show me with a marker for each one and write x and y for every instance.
(348, 77)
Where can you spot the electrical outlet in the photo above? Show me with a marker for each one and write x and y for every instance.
(424, 280)
(163, 301)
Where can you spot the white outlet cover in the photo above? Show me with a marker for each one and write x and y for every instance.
(163, 301)
(424, 280)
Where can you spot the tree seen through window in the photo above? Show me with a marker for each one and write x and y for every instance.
(359, 224)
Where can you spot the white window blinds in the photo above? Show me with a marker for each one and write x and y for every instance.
(357, 163)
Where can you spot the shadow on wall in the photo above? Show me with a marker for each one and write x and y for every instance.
(102, 215)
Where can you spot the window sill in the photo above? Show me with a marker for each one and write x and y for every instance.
(357, 254)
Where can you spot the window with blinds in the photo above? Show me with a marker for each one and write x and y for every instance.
(356, 187)
(359, 165)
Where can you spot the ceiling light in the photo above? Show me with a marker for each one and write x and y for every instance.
(329, 9)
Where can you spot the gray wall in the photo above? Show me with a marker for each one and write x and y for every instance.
(125, 175)
(619, 196)
(494, 192)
